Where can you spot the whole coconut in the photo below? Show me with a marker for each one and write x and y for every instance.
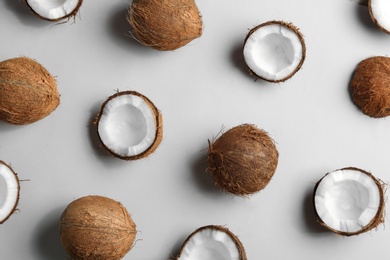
(370, 86)
(165, 24)
(28, 92)
(96, 227)
(243, 160)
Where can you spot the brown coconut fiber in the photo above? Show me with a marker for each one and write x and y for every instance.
(165, 24)
(370, 86)
(28, 92)
(243, 160)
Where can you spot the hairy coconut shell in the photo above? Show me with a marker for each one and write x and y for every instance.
(28, 92)
(165, 24)
(243, 160)
(370, 86)
(376, 221)
(237, 242)
(68, 16)
(158, 122)
(96, 227)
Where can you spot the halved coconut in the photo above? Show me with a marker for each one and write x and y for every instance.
(349, 201)
(54, 10)
(129, 125)
(380, 13)
(274, 51)
(212, 243)
(12, 191)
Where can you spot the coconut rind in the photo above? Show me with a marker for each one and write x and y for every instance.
(237, 171)
(237, 242)
(68, 16)
(293, 28)
(374, 19)
(17, 198)
(158, 121)
(377, 220)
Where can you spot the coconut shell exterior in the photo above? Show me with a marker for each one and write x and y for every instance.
(158, 122)
(165, 24)
(375, 222)
(370, 86)
(291, 27)
(28, 92)
(243, 160)
(17, 201)
(96, 227)
(236, 240)
(373, 18)
(68, 16)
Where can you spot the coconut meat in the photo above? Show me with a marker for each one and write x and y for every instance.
(53, 9)
(347, 200)
(380, 10)
(12, 192)
(127, 125)
(210, 244)
(273, 52)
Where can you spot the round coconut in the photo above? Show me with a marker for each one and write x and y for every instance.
(274, 51)
(165, 24)
(12, 191)
(129, 125)
(54, 10)
(349, 201)
(96, 227)
(212, 242)
(28, 92)
(379, 11)
(243, 160)
(370, 86)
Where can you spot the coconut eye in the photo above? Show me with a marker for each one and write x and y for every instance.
(212, 243)
(129, 125)
(274, 51)
(9, 183)
(54, 10)
(349, 201)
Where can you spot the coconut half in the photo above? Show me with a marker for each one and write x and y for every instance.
(129, 125)
(349, 201)
(11, 200)
(212, 243)
(274, 51)
(54, 10)
(380, 13)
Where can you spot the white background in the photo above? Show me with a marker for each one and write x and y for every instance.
(199, 88)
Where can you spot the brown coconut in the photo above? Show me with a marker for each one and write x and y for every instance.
(243, 160)
(370, 86)
(165, 24)
(96, 227)
(28, 92)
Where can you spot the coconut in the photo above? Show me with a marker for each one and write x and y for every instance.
(370, 86)
(129, 125)
(12, 191)
(28, 92)
(242, 160)
(96, 227)
(54, 10)
(212, 243)
(165, 24)
(349, 201)
(380, 14)
(274, 51)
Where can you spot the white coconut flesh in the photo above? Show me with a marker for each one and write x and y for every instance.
(10, 183)
(380, 10)
(127, 125)
(273, 52)
(210, 244)
(347, 200)
(53, 9)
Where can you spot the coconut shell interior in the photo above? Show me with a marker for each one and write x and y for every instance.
(68, 16)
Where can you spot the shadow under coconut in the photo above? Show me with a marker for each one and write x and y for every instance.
(23, 12)
(176, 248)
(364, 18)
(46, 238)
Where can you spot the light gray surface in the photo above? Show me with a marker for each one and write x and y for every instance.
(199, 88)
